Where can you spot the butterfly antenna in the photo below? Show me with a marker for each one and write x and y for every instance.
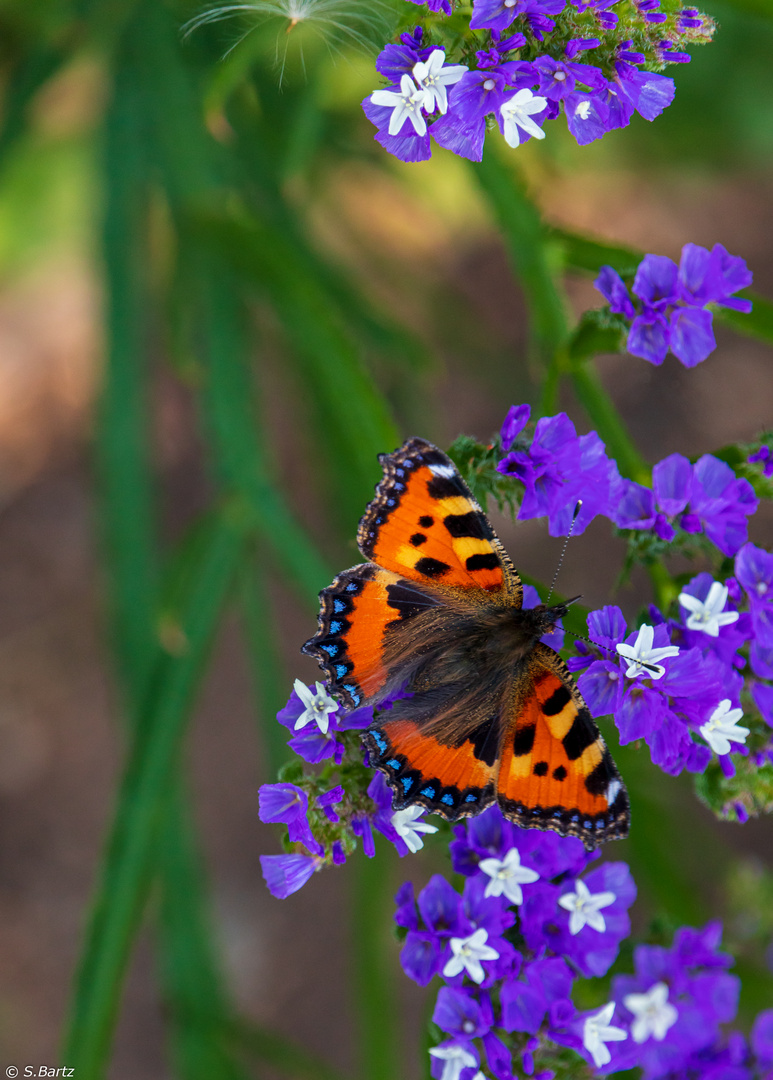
(610, 652)
(575, 515)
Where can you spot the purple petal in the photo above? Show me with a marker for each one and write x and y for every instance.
(656, 280)
(648, 336)
(611, 285)
(285, 874)
(516, 420)
(672, 483)
(692, 337)
(635, 508)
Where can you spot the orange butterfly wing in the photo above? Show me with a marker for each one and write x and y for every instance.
(359, 613)
(424, 524)
(555, 770)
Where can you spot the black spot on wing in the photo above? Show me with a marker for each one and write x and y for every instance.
(473, 524)
(482, 561)
(557, 701)
(485, 741)
(598, 780)
(406, 601)
(432, 567)
(426, 521)
(418, 539)
(580, 735)
(524, 740)
(559, 773)
(446, 487)
(541, 768)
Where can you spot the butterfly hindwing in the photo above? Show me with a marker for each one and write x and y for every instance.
(359, 612)
(424, 524)
(555, 770)
(454, 780)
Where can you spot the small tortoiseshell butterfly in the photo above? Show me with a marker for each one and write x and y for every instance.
(489, 712)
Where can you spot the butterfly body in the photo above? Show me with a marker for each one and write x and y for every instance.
(474, 707)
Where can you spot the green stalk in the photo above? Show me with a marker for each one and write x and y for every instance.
(379, 1025)
(529, 253)
(607, 421)
(128, 862)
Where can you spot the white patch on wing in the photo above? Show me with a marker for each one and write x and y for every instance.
(443, 470)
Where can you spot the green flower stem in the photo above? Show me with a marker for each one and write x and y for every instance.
(374, 968)
(531, 257)
(607, 421)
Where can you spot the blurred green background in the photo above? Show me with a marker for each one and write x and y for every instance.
(219, 300)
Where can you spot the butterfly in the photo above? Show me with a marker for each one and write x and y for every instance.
(484, 711)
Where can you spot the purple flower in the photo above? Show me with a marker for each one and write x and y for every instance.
(560, 468)
(675, 1002)
(592, 917)
(673, 313)
(458, 1012)
(285, 874)
(525, 1002)
(764, 455)
(516, 420)
(663, 703)
(436, 5)
(311, 742)
(706, 497)
(762, 1038)
(613, 288)
(754, 570)
(288, 804)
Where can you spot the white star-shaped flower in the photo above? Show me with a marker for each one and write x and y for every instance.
(653, 1013)
(407, 104)
(596, 1032)
(517, 113)
(507, 875)
(408, 828)
(433, 78)
(454, 1058)
(722, 728)
(642, 658)
(317, 706)
(468, 953)
(709, 614)
(584, 906)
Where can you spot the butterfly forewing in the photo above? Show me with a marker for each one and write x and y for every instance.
(361, 613)
(425, 524)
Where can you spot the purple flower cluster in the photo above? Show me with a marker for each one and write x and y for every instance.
(527, 73)
(672, 312)
(655, 691)
(324, 823)
(705, 497)
(558, 469)
(667, 1014)
(537, 889)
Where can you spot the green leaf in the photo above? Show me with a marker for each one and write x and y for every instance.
(757, 324)
(351, 418)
